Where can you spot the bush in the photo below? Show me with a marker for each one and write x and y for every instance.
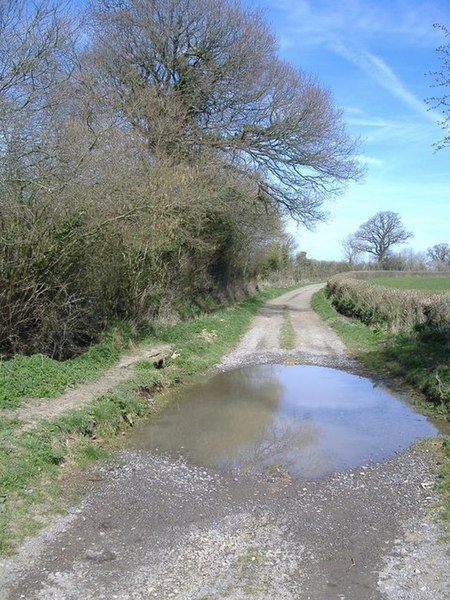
(71, 264)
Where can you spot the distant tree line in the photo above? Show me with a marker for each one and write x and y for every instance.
(149, 152)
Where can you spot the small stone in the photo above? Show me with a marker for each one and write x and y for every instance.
(100, 557)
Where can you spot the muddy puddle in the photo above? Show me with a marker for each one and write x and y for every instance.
(310, 421)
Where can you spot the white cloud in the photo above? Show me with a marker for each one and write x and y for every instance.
(369, 160)
(321, 21)
(357, 117)
(374, 67)
(376, 129)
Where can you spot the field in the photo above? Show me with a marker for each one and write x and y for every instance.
(430, 283)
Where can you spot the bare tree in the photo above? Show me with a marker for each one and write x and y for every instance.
(32, 42)
(442, 79)
(203, 75)
(351, 248)
(405, 260)
(151, 170)
(439, 255)
(36, 42)
(382, 231)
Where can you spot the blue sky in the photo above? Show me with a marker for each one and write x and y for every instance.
(375, 56)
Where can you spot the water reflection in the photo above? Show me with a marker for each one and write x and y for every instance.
(313, 420)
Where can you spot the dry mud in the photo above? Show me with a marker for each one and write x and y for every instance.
(152, 526)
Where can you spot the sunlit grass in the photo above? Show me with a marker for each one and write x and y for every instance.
(39, 376)
(287, 334)
(430, 283)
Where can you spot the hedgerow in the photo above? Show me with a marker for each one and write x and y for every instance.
(427, 314)
(416, 348)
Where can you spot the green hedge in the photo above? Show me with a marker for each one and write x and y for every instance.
(394, 309)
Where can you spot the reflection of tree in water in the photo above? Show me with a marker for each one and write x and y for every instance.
(213, 421)
(293, 441)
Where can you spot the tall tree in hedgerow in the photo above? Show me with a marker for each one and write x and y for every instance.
(202, 77)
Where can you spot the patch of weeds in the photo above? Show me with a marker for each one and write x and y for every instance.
(28, 479)
(32, 376)
(90, 452)
(80, 421)
(144, 365)
(253, 555)
(26, 513)
(425, 364)
(115, 411)
(444, 481)
(247, 567)
(8, 424)
(35, 460)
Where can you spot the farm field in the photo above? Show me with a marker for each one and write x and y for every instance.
(430, 283)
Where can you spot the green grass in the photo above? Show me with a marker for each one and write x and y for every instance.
(430, 283)
(422, 364)
(287, 335)
(35, 464)
(38, 376)
(361, 341)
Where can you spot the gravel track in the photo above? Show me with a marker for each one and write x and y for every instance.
(151, 526)
(315, 342)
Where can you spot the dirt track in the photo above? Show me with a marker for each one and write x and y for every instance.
(155, 527)
(42, 408)
(315, 343)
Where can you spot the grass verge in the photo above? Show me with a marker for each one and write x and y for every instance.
(36, 463)
(444, 481)
(361, 341)
(39, 376)
(287, 335)
(408, 360)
